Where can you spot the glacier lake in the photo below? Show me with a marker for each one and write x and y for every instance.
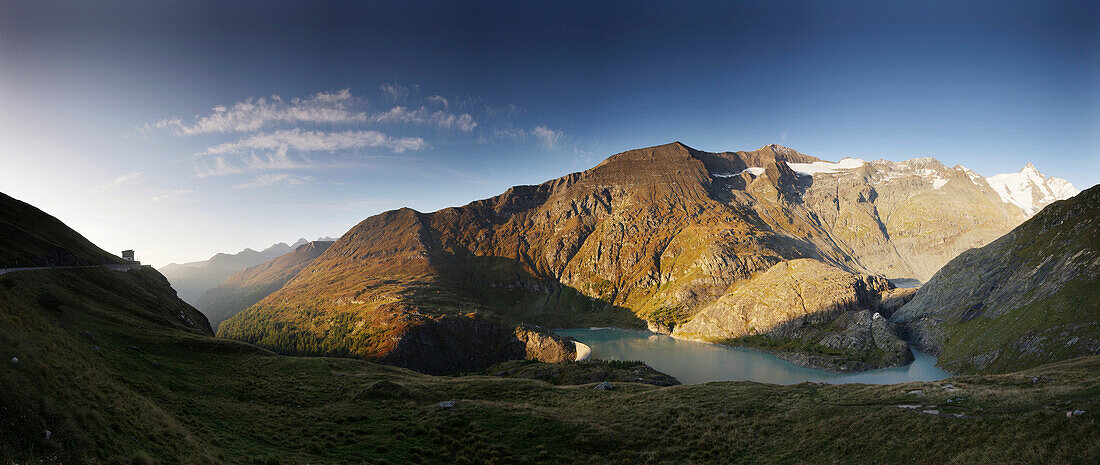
(698, 362)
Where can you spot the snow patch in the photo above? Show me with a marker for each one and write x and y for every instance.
(823, 167)
(751, 170)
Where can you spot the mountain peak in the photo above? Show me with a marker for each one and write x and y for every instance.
(1029, 189)
(778, 148)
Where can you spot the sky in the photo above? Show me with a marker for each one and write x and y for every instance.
(183, 129)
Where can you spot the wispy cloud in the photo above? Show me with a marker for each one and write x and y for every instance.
(255, 113)
(174, 193)
(422, 115)
(216, 166)
(549, 138)
(135, 176)
(315, 141)
(276, 161)
(394, 91)
(439, 99)
(275, 179)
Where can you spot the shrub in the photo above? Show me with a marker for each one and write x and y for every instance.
(49, 300)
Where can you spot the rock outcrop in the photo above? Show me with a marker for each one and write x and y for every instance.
(1030, 297)
(458, 343)
(807, 312)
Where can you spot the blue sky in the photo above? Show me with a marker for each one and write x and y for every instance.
(182, 129)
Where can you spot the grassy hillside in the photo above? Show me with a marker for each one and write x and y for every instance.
(109, 368)
(30, 237)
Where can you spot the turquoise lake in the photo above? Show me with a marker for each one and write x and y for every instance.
(697, 362)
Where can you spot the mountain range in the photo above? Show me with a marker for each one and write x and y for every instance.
(102, 366)
(246, 287)
(192, 279)
(664, 237)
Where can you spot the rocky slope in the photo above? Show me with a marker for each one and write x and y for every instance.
(649, 236)
(246, 287)
(1029, 297)
(807, 312)
(192, 279)
(906, 219)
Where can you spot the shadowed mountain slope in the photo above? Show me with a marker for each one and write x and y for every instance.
(30, 238)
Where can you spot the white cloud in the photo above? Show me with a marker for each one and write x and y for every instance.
(440, 100)
(395, 91)
(254, 113)
(422, 115)
(315, 141)
(549, 138)
(135, 176)
(274, 179)
(172, 194)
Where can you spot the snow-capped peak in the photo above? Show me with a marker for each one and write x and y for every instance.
(1030, 190)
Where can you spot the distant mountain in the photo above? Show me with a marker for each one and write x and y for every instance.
(649, 236)
(1030, 297)
(192, 279)
(246, 287)
(1030, 190)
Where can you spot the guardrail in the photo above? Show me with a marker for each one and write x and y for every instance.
(111, 266)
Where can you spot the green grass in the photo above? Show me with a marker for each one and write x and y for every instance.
(1059, 312)
(181, 397)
